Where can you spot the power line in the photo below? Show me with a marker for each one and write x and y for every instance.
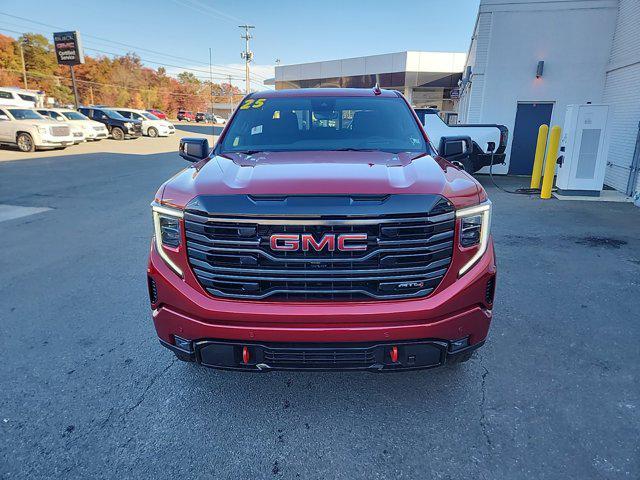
(207, 9)
(222, 72)
(200, 77)
(120, 43)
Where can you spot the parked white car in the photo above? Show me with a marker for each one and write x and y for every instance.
(29, 130)
(217, 119)
(89, 129)
(18, 97)
(152, 126)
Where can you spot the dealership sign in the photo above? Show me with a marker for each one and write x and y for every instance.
(68, 48)
(455, 93)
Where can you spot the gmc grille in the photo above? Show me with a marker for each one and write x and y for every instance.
(60, 131)
(407, 256)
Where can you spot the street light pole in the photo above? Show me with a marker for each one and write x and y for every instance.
(24, 66)
(247, 55)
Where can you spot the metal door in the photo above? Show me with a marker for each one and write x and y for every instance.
(529, 117)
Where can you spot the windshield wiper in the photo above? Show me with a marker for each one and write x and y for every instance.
(351, 149)
(246, 152)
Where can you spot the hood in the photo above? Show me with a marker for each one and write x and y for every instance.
(321, 173)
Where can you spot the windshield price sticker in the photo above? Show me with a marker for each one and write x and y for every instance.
(251, 103)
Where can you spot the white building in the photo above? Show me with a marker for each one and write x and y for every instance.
(425, 78)
(591, 53)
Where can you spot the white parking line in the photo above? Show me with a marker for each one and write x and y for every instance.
(11, 212)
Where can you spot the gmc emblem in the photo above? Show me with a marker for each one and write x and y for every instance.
(330, 242)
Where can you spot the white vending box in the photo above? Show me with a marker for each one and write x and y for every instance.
(583, 150)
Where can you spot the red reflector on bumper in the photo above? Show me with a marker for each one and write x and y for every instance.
(245, 355)
(394, 354)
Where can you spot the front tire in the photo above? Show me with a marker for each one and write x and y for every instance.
(25, 143)
(117, 133)
(152, 132)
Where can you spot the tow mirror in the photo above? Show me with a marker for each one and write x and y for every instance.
(455, 148)
(194, 149)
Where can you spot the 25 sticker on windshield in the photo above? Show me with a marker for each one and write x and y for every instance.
(252, 103)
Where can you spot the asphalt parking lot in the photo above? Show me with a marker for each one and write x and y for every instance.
(88, 392)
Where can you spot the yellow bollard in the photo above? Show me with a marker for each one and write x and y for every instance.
(550, 162)
(541, 145)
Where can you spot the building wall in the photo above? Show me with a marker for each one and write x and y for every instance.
(418, 62)
(622, 92)
(573, 38)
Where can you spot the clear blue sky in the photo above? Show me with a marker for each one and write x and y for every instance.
(292, 30)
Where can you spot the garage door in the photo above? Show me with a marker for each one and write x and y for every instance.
(621, 93)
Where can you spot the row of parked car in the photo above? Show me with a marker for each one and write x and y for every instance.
(43, 128)
(186, 116)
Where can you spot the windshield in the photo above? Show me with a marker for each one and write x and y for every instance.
(324, 123)
(24, 114)
(150, 116)
(27, 98)
(75, 116)
(113, 114)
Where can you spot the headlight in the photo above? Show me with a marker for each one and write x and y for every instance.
(128, 124)
(166, 226)
(475, 224)
(43, 130)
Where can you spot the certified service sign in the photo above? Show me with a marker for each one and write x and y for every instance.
(68, 48)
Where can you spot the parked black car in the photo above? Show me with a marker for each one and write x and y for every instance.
(119, 127)
(201, 117)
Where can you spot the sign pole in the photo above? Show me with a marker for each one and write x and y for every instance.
(75, 90)
(69, 52)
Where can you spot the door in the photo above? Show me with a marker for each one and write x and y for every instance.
(529, 117)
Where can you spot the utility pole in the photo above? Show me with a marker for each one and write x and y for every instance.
(211, 89)
(230, 99)
(24, 67)
(247, 55)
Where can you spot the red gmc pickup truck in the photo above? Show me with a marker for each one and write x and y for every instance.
(322, 232)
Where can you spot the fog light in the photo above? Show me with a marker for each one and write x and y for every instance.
(456, 345)
(182, 343)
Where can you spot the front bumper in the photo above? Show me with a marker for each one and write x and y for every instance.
(461, 310)
(51, 141)
(374, 357)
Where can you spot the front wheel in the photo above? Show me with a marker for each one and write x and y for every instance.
(117, 133)
(152, 132)
(25, 143)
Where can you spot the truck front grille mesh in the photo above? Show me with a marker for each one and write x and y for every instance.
(407, 256)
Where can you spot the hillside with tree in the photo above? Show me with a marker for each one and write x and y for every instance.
(121, 81)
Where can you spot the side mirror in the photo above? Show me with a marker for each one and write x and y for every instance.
(194, 149)
(60, 119)
(455, 148)
(3, 117)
